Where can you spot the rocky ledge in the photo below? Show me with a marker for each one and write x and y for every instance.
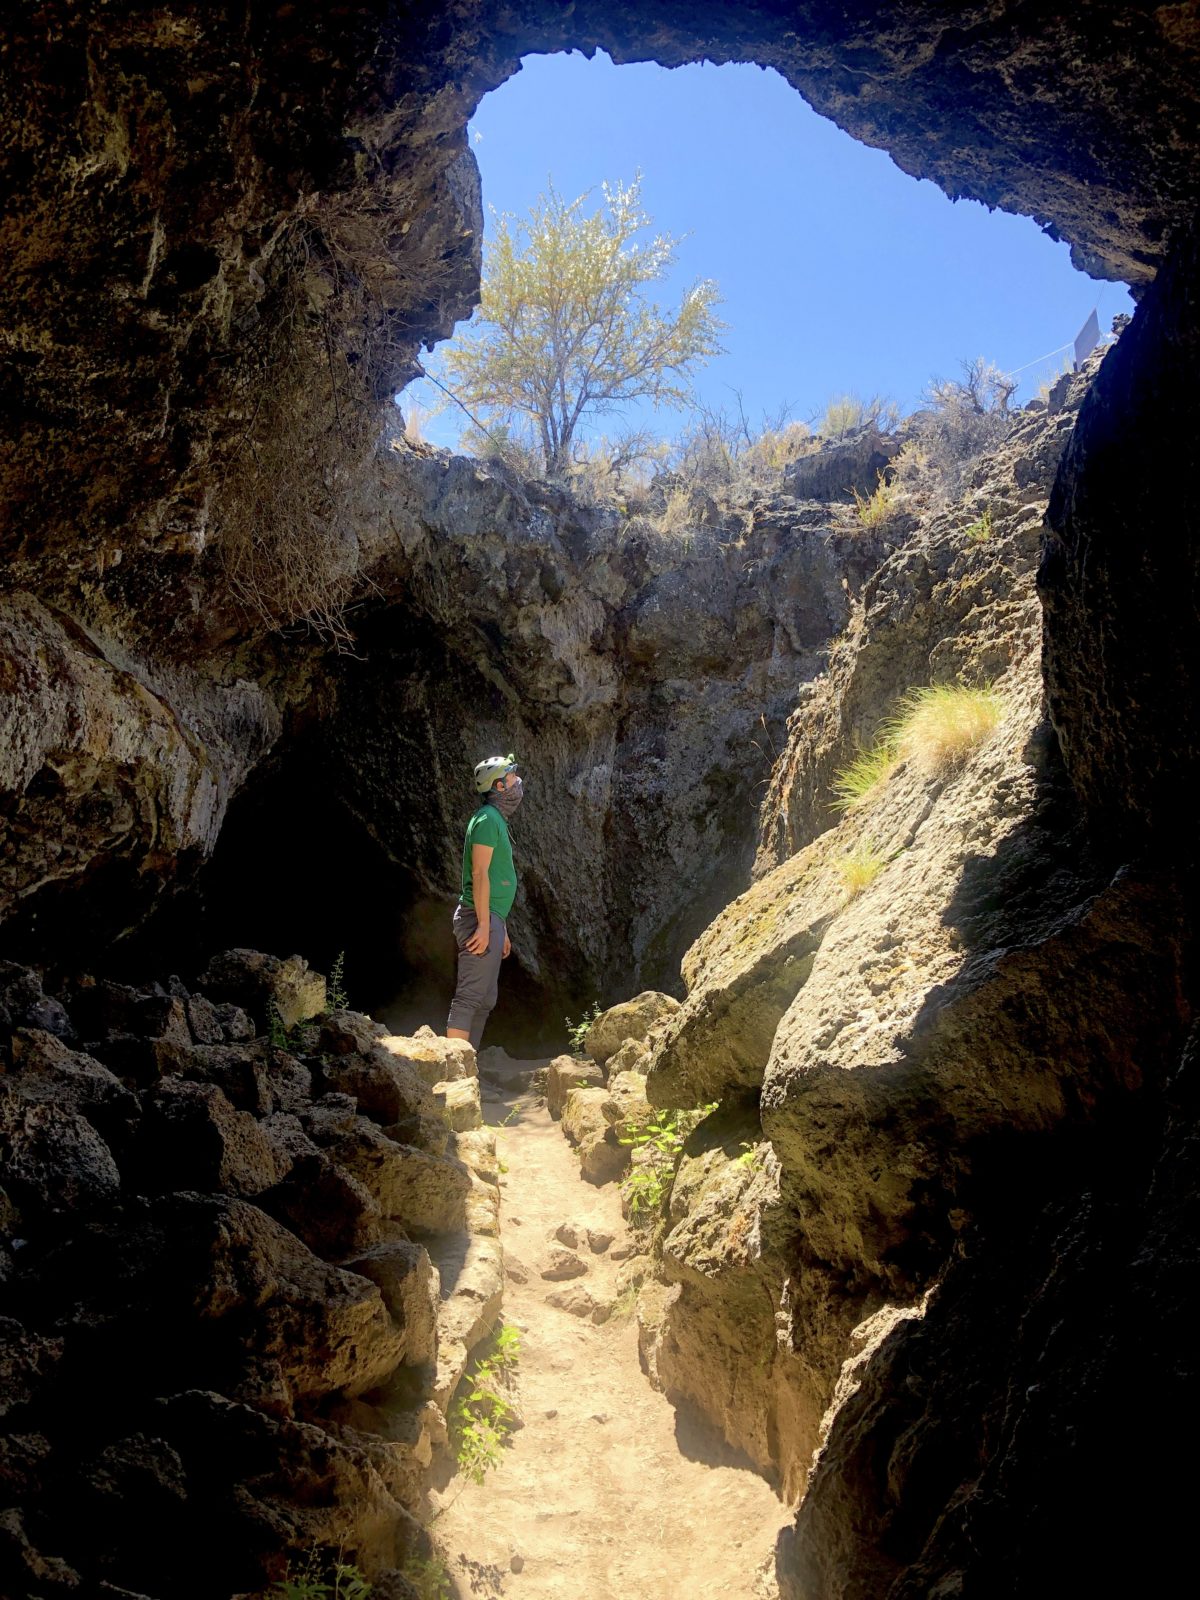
(241, 1226)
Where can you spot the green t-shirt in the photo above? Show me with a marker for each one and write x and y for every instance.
(487, 826)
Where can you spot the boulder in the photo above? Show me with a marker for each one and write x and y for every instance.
(434, 1059)
(54, 1161)
(562, 1264)
(427, 1193)
(634, 1055)
(204, 1019)
(24, 1003)
(459, 1101)
(632, 1019)
(386, 1087)
(46, 1070)
(344, 1033)
(565, 1073)
(324, 1205)
(576, 1299)
(193, 1138)
(596, 1121)
(471, 1274)
(263, 984)
(241, 1071)
(408, 1282)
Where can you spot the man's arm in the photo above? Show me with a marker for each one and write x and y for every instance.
(481, 890)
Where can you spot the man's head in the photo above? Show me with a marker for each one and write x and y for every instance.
(495, 774)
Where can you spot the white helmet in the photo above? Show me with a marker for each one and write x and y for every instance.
(486, 772)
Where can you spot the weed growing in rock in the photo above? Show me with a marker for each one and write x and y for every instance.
(661, 1141)
(428, 1577)
(870, 766)
(482, 1417)
(875, 510)
(346, 1582)
(577, 1031)
(335, 990)
(276, 1028)
(981, 528)
(937, 727)
(751, 1158)
(859, 867)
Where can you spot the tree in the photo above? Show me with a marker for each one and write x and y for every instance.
(565, 328)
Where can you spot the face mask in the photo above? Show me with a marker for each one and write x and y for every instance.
(507, 800)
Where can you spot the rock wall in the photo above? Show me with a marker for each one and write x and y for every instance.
(953, 1080)
(243, 1268)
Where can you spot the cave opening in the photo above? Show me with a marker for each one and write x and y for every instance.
(345, 843)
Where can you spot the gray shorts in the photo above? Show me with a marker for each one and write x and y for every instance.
(478, 976)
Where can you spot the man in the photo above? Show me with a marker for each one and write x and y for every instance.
(489, 887)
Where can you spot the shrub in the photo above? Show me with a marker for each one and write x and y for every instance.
(981, 529)
(853, 783)
(482, 1416)
(967, 416)
(428, 1577)
(577, 1031)
(875, 510)
(937, 727)
(677, 518)
(847, 413)
(859, 867)
(346, 1582)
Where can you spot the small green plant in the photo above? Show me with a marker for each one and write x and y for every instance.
(428, 1577)
(663, 1137)
(346, 1582)
(751, 1157)
(335, 985)
(874, 510)
(859, 867)
(981, 529)
(577, 1031)
(276, 1030)
(644, 1188)
(853, 783)
(482, 1416)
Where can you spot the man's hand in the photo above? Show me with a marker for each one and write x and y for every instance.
(507, 951)
(478, 943)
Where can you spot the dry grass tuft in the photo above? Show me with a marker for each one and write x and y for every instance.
(859, 867)
(875, 510)
(938, 727)
(853, 783)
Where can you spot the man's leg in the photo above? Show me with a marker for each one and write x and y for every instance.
(475, 992)
(495, 954)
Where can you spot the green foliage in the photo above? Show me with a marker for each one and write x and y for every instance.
(276, 1031)
(750, 1157)
(566, 328)
(875, 510)
(428, 1577)
(860, 866)
(981, 528)
(345, 1582)
(853, 783)
(577, 1031)
(662, 1137)
(335, 985)
(482, 1415)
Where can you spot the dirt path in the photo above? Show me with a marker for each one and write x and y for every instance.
(594, 1496)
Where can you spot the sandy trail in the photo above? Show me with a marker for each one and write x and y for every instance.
(594, 1495)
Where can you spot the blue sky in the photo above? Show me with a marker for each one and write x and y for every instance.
(838, 271)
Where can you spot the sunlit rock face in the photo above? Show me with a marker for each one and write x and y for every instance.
(224, 245)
